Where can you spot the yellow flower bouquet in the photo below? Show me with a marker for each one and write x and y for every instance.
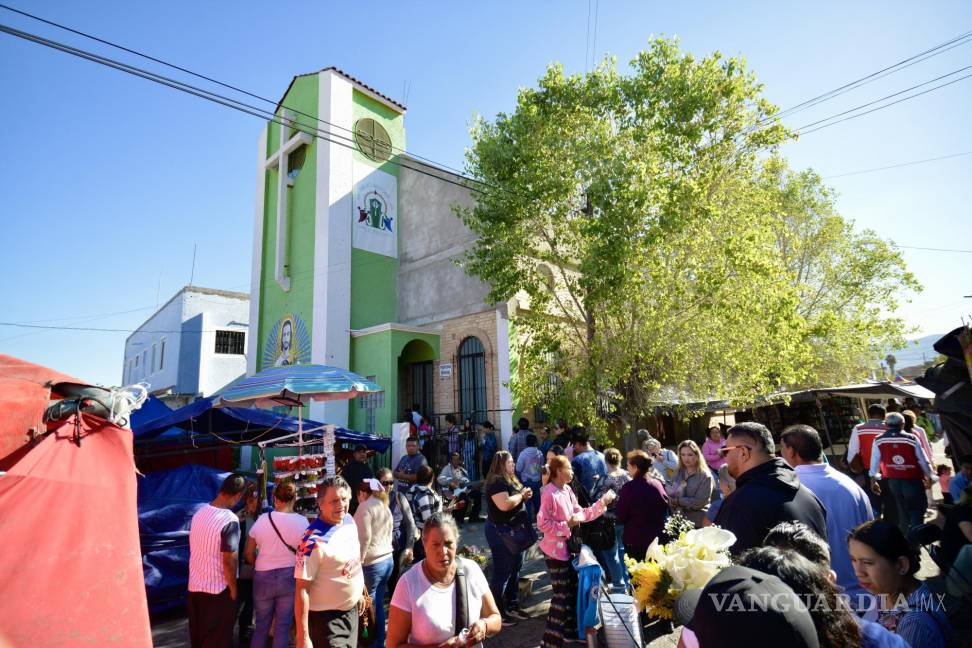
(685, 563)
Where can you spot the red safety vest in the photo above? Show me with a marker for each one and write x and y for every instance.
(899, 456)
(866, 433)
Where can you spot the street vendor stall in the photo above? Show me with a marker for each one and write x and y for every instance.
(70, 569)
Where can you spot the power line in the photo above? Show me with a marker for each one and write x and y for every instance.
(896, 166)
(93, 328)
(216, 98)
(597, 6)
(216, 81)
(930, 249)
(941, 48)
(895, 94)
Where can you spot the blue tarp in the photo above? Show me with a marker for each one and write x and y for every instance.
(167, 500)
(242, 425)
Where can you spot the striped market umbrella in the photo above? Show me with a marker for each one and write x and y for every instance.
(295, 385)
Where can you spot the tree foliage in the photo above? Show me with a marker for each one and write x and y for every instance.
(638, 223)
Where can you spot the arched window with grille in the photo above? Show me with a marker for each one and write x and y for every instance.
(472, 379)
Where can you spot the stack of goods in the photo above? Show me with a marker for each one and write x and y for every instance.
(306, 471)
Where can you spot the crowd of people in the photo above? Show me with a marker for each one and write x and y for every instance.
(803, 529)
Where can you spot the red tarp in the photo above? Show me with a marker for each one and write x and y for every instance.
(70, 564)
(24, 393)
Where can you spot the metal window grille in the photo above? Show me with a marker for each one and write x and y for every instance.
(230, 342)
(472, 380)
(372, 139)
(369, 403)
(422, 388)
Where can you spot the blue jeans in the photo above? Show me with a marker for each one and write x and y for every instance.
(376, 580)
(533, 505)
(273, 601)
(613, 567)
(504, 582)
(618, 531)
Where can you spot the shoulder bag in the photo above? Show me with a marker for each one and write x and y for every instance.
(293, 550)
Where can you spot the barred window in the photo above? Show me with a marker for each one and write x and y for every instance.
(230, 342)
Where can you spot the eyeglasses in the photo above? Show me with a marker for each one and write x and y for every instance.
(388, 483)
(725, 449)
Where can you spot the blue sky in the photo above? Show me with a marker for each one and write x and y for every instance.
(108, 181)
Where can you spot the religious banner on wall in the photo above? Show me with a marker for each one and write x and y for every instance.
(288, 343)
(375, 211)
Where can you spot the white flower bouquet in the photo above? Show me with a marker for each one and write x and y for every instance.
(685, 563)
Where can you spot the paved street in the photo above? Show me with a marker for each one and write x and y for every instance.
(173, 632)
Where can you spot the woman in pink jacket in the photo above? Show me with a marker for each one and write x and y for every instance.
(559, 513)
(711, 447)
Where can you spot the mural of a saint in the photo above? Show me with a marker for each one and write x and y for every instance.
(286, 353)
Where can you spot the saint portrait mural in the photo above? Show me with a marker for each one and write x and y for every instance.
(288, 343)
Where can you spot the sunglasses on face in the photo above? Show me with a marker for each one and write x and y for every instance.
(388, 483)
(725, 449)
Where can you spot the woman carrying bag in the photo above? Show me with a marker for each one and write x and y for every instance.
(374, 521)
(272, 548)
(508, 533)
(559, 514)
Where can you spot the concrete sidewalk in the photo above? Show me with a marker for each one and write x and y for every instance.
(172, 631)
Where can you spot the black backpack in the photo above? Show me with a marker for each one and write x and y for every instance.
(598, 534)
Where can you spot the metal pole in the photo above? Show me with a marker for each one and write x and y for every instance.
(823, 422)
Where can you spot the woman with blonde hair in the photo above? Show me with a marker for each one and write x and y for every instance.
(373, 518)
(559, 514)
(690, 490)
(506, 519)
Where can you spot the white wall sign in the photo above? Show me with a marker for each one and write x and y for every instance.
(445, 370)
(375, 210)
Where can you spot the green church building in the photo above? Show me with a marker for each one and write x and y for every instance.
(354, 263)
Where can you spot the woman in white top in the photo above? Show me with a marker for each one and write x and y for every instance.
(272, 547)
(374, 521)
(423, 609)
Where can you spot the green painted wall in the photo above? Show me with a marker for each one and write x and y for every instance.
(374, 289)
(377, 354)
(393, 122)
(274, 301)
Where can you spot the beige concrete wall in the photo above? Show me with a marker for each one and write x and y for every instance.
(451, 334)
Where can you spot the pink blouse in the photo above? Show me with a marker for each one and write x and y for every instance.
(557, 505)
(711, 454)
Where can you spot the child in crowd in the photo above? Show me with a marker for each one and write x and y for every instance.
(944, 480)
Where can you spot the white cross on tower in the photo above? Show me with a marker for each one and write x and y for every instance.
(279, 161)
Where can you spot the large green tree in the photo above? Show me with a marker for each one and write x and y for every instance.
(634, 219)
(850, 282)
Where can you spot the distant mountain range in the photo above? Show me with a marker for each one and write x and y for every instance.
(918, 351)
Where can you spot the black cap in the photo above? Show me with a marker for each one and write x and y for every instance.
(740, 606)
(360, 447)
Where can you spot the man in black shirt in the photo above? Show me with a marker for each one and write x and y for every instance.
(356, 471)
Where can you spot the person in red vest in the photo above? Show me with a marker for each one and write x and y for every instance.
(859, 459)
(898, 462)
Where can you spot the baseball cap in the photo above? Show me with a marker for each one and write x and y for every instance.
(360, 447)
(740, 606)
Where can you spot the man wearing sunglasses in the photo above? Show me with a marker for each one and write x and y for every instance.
(768, 490)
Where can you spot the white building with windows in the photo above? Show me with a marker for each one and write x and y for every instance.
(191, 347)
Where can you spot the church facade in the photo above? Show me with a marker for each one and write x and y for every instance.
(356, 253)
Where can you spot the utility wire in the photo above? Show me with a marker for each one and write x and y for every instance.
(930, 249)
(961, 39)
(896, 166)
(868, 112)
(216, 81)
(216, 98)
(886, 97)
